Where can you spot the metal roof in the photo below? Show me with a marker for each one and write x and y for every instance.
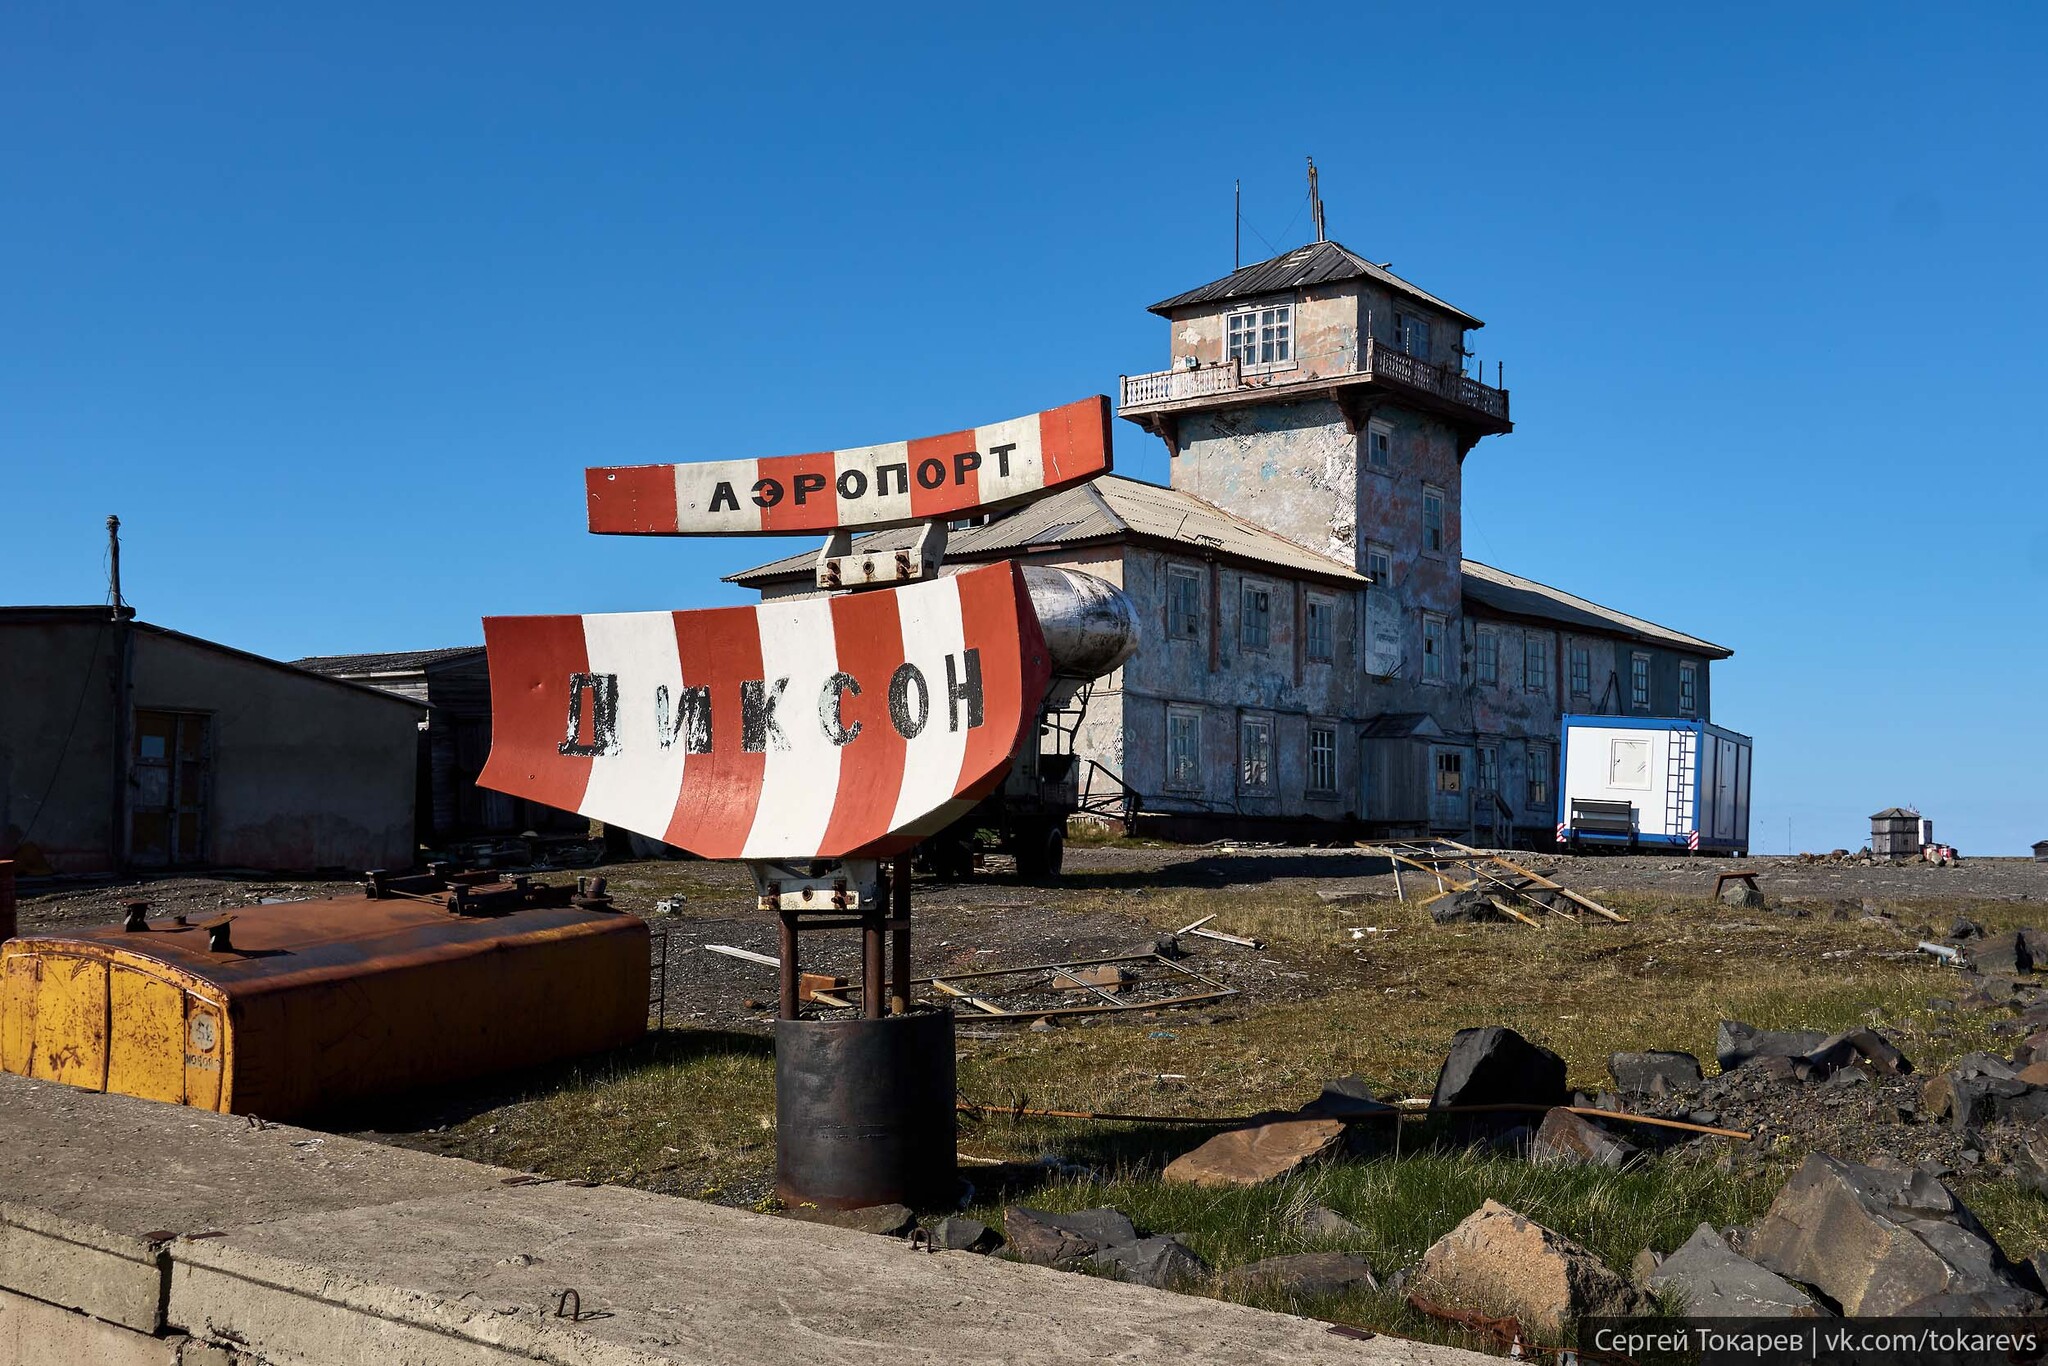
(1897, 813)
(1111, 508)
(1517, 596)
(390, 662)
(1315, 264)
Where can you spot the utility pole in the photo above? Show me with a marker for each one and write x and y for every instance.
(1315, 201)
(1236, 224)
(114, 561)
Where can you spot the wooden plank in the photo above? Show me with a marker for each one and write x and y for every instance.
(984, 1006)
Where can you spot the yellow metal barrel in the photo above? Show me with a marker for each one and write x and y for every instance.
(314, 1004)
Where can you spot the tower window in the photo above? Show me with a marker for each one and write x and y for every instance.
(1183, 748)
(1379, 445)
(1261, 336)
(1450, 772)
(1322, 628)
(1489, 655)
(1535, 663)
(1432, 648)
(1639, 682)
(1582, 671)
(1183, 602)
(1432, 519)
(1255, 617)
(1688, 688)
(1415, 336)
(1539, 777)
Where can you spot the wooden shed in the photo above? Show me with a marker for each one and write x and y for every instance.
(1895, 832)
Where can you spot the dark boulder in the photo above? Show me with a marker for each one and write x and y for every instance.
(1497, 1066)
(2002, 955)
(1463, 908)
(958, 1233)
(1162, 1262)
(1064, 1240)
(1574, 1140)
(1654, 1073)
(1714, 1281)
(1310, 1275)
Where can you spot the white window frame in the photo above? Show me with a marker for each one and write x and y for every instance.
(1191, 779)
(1266, 329)
(1487, 778)
(1435, 645)
(1582, 671)
(1455, 767)
(1177, 575)
(1386, 552)
(1245, 589)
(1319, 605)
(1688, 688)
(1409, 328)
(1379, 446)
(1249, 726)
(1432, 494)
(1322, 730)
(1486, 650)
(1632, 745)
(1538, 784)
(1639, 680)
(1535, 662)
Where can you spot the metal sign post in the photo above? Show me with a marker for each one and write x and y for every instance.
(816, 739)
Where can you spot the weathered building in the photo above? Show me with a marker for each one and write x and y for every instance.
(1320, 650)
(126, 746)
(452, 687)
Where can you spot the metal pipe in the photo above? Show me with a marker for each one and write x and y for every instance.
(899, 964)
(873, 999)
(786, 1004)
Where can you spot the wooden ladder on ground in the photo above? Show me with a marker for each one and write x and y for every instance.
(1508, 885)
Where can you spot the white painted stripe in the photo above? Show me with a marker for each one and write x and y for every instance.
(1027, 462)
(637, 786)
(697, 483)
(868, 460)
(801, 781)
(932, 629)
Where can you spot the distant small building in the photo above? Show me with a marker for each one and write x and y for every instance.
(1899, 831)
(125, 746)
(2041, 851)
(452, 689)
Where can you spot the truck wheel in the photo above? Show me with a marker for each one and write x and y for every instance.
(1040, 853)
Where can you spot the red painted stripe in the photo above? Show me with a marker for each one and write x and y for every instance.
(868, 628)
(821, 505)
(719, 647)
(946, 497)
(996, 612)
(532, 661)
(1075, 440)
(631, 498)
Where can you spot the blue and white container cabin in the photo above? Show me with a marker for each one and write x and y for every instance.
(1654, 782)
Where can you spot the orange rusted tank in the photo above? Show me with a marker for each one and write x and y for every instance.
(293, 1009)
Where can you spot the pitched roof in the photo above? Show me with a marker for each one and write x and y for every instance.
(1516, 596)
(1111, 508)
(391, 662)
(1315, 264)
(1896, 813)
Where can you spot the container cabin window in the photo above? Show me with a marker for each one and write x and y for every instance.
(1415, 336)
(1489, 659)
(1184, 748)
(1183, 602)
(1639, 682)
(1582, 671)
(1261, 336)
(1322, 760)
(1450, 772)
(1432, 648)
(1688, 688)
(1255, 755)
(1432, 520)
(1379, 446)
(1322, 628)
(1535, 663)
(1628, 764)
(1255, 617)
(1539, 777)
(1379, 564)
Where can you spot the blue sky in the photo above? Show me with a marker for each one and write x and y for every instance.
(333, 305)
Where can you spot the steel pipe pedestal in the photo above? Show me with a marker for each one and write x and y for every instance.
(864, 1111)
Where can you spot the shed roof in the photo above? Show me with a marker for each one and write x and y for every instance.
(389, 662)
(1108, 509)
(1897, 813)
(1513, 595)
(1315, 264)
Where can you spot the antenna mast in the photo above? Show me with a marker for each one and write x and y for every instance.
(1236, 223)
(114, 561)
(1315, 201)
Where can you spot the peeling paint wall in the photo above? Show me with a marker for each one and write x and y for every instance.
(1291, 468)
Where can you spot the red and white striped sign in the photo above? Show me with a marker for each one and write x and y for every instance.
(798, 729)
(863, 488)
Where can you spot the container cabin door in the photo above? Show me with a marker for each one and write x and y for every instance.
(167, 789)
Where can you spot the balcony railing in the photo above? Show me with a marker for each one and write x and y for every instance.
(1446, 382)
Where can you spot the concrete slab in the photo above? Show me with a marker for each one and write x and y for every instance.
(36, 1334)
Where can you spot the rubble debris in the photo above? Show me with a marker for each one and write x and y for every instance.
(1310, 1275)
(1254, 1156)
(1715, 1281)
(1655, 1073)
(1979, 1088)
(1064, 1240)
(1736, 1043)
(1320, 1221)
(1888, 1239)
(1570, 1139)
(1498, 1262)
(1739, 890)
(958, 1233)
(1111, 976)
(1464, 908)
(891, 1221)
(1162, 1262)
(1497, 1066)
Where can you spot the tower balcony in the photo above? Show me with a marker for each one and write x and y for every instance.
(1358, 380)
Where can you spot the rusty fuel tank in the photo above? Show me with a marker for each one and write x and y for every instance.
(288, 1010)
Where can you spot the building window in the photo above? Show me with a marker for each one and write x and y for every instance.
(1539, 777)
(1639, 681)
(1489, 768)
(1582, 671)
(1415, 336)
(1255, 754)
(1261, 336)
(1184, 748)
(1489, 656)
(1322, 628)
(1535, 662)
(1432, 648)
(1379, 446)
(1688, 688)
(1322, 759)
(1432, 519)
(1450, 772)
(1183, 602)
(1255, 617)
(1379, 564)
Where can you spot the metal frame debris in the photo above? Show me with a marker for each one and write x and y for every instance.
(1461, 868)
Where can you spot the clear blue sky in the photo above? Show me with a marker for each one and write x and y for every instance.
(333, 304)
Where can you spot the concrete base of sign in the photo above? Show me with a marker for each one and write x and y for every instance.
(283, 1245)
